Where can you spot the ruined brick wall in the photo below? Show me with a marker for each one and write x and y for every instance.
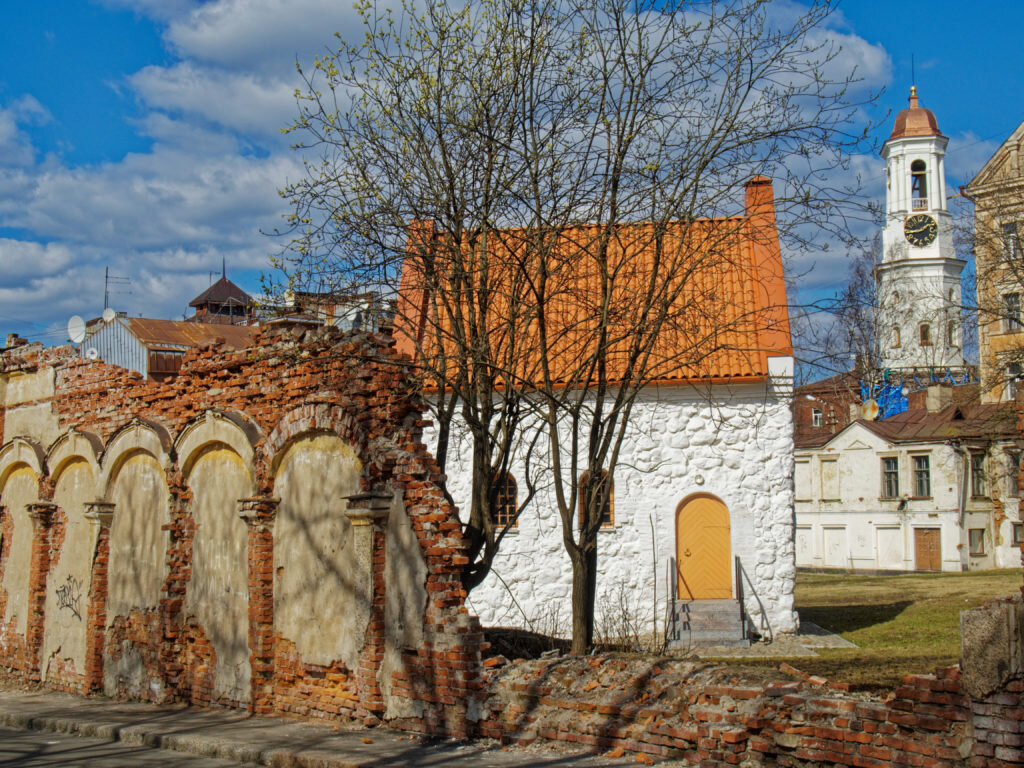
(256, 405)
(715, 716)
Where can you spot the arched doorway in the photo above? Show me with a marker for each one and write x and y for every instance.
(703, 549)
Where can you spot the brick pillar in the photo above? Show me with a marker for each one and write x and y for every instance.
(368, 513)
(258, 514)
(41, 514)
(100, 514)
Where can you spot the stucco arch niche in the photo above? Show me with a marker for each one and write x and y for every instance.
(74, 469)
(216, 454)
(133, 477)
(22, 466)
(321, 600)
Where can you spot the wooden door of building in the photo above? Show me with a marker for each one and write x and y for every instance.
(927, 549)
(703, 549)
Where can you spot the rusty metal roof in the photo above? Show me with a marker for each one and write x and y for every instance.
(176, 334)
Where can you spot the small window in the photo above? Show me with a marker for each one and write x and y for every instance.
(1011, 312)
(978, 485)
(1012, 474)
(926, 335)
(1011, 247)
(922, 477)
(919, 185)
(817, 419)
(951, 334)
(606, 500)
(506, 501)
(1013, 373)
(1018, 534)
(976, 539)
(896, 337)
(890, 477)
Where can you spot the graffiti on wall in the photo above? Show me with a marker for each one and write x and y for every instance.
(69, 594)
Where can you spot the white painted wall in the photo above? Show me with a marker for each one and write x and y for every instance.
(734, 442)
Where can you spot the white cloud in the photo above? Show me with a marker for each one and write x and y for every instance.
(20, 260)
(16, 147)
(264, 36)
(244, 102)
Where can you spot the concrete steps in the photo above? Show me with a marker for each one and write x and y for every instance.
(707, 622)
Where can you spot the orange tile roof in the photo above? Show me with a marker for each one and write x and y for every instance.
(725, 318)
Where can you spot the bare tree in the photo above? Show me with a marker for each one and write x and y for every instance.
(573, 173)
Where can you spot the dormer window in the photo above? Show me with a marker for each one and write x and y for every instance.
(918, 185)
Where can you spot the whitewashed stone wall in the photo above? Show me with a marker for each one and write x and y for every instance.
(735, 442)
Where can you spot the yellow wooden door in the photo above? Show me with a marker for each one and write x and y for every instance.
(703, 549)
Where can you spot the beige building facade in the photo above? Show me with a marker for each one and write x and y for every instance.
(998, 195)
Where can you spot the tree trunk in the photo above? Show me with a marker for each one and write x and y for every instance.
(584, 583)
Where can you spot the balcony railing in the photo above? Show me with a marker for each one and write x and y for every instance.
(919, 204)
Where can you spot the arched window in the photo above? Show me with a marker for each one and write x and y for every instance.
(506, 501)
(606, 500)
(926, 335)
(918, 185)
(951, 333)
(896, 337)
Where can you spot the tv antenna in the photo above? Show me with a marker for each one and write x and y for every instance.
(120, 285)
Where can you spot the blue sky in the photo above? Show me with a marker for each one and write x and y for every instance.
(143, 136)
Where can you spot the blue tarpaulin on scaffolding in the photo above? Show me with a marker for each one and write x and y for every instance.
(889, 393)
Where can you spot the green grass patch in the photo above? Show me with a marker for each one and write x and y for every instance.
(901, 623)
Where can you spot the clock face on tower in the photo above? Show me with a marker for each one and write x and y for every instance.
(921, 229)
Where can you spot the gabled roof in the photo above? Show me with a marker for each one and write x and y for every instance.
(992, 421)
(727, 318)
(223, 292)
(993, 170)
(175, 334)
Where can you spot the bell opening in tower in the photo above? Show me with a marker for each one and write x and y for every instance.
(918, 185)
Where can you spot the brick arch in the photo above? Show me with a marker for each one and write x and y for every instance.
(138, 436)
(230, 429)
(309, 419)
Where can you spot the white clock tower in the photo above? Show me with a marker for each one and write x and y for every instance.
(918, 279)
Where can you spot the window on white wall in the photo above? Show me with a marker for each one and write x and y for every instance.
(976, 538)
(1012, 473)
(978, 485)
(922, 476)
(830, 479)
(890, 477)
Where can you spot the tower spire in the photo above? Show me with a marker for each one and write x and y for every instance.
(223, 267)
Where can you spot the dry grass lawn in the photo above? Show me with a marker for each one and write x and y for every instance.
(901, 623)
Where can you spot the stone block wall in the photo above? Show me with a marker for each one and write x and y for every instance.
(142, 470)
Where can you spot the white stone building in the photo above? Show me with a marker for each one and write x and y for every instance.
(923, 490)
(702, 502)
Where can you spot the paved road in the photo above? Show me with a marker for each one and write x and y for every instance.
(25, 749)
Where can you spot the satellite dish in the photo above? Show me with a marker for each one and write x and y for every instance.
(108, 315)
(76, 329)
(869, 410)
(91, 353)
